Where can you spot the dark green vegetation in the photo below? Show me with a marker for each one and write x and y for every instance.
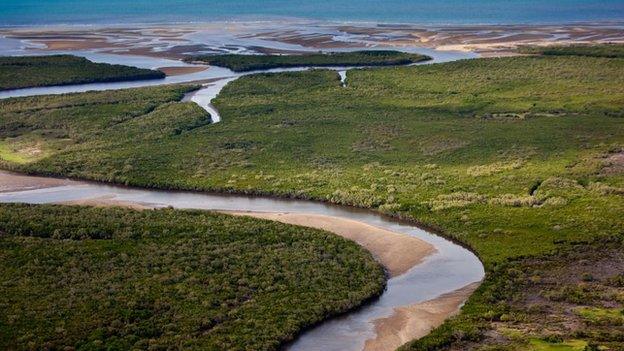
(242, 63)
(37, 71)
(520, 158)
(116, 279)
(605, 50)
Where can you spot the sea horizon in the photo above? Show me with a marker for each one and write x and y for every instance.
(304, 21)
(30, 13)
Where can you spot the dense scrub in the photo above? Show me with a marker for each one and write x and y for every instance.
(35, 71)
(516, 157)
(34, 128)
(569, 300)
(116, 279)
(603, 50)
(241, 63)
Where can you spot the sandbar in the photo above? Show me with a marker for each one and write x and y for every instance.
(415, 321)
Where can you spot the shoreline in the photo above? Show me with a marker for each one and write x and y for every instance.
(296, 36)
(8, 172)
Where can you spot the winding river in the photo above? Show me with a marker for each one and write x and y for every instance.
(213, 78)
(450, 268)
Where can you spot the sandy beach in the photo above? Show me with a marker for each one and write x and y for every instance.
(107, 201)
(415, 321)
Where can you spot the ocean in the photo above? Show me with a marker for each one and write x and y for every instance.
(426, 12)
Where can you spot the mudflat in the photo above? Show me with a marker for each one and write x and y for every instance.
(10, 182)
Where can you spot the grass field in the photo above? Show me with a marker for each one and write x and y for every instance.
(37, 71)
(242, 63)
(520, 158)
(116, 279)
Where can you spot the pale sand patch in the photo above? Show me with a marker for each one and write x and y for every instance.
(10, 182)
(614, 164)
(415, 321)
(176, 71)
(396, 252)
(74, 44)
(107, 201)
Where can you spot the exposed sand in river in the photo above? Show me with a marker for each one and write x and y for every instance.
(10, 182)
(415, 321)
(108, 201)
(396, 252)
(79, 44)
(176, 71)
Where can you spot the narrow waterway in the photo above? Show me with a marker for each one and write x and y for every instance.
(212, 79)
(452, 267)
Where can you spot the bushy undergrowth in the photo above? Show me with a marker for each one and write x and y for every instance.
(35, 71)
(116, 279)
(241, 63)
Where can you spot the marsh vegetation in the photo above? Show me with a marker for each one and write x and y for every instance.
(36, 71)
(520, 158)
(605, 50)
(242, 63)
(117, 279)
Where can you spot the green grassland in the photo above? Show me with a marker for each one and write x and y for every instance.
(519, 158)
(36, 71)
(115, 279)
(606, 50)
(242, 63)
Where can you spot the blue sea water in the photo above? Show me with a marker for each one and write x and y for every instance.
(43, 12)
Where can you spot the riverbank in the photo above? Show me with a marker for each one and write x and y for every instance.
(402, 254)
(182, 70)
(415, 321)
(507, 156)
(398, 253)
(118, 278)
(11, 182)
(478, 171)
